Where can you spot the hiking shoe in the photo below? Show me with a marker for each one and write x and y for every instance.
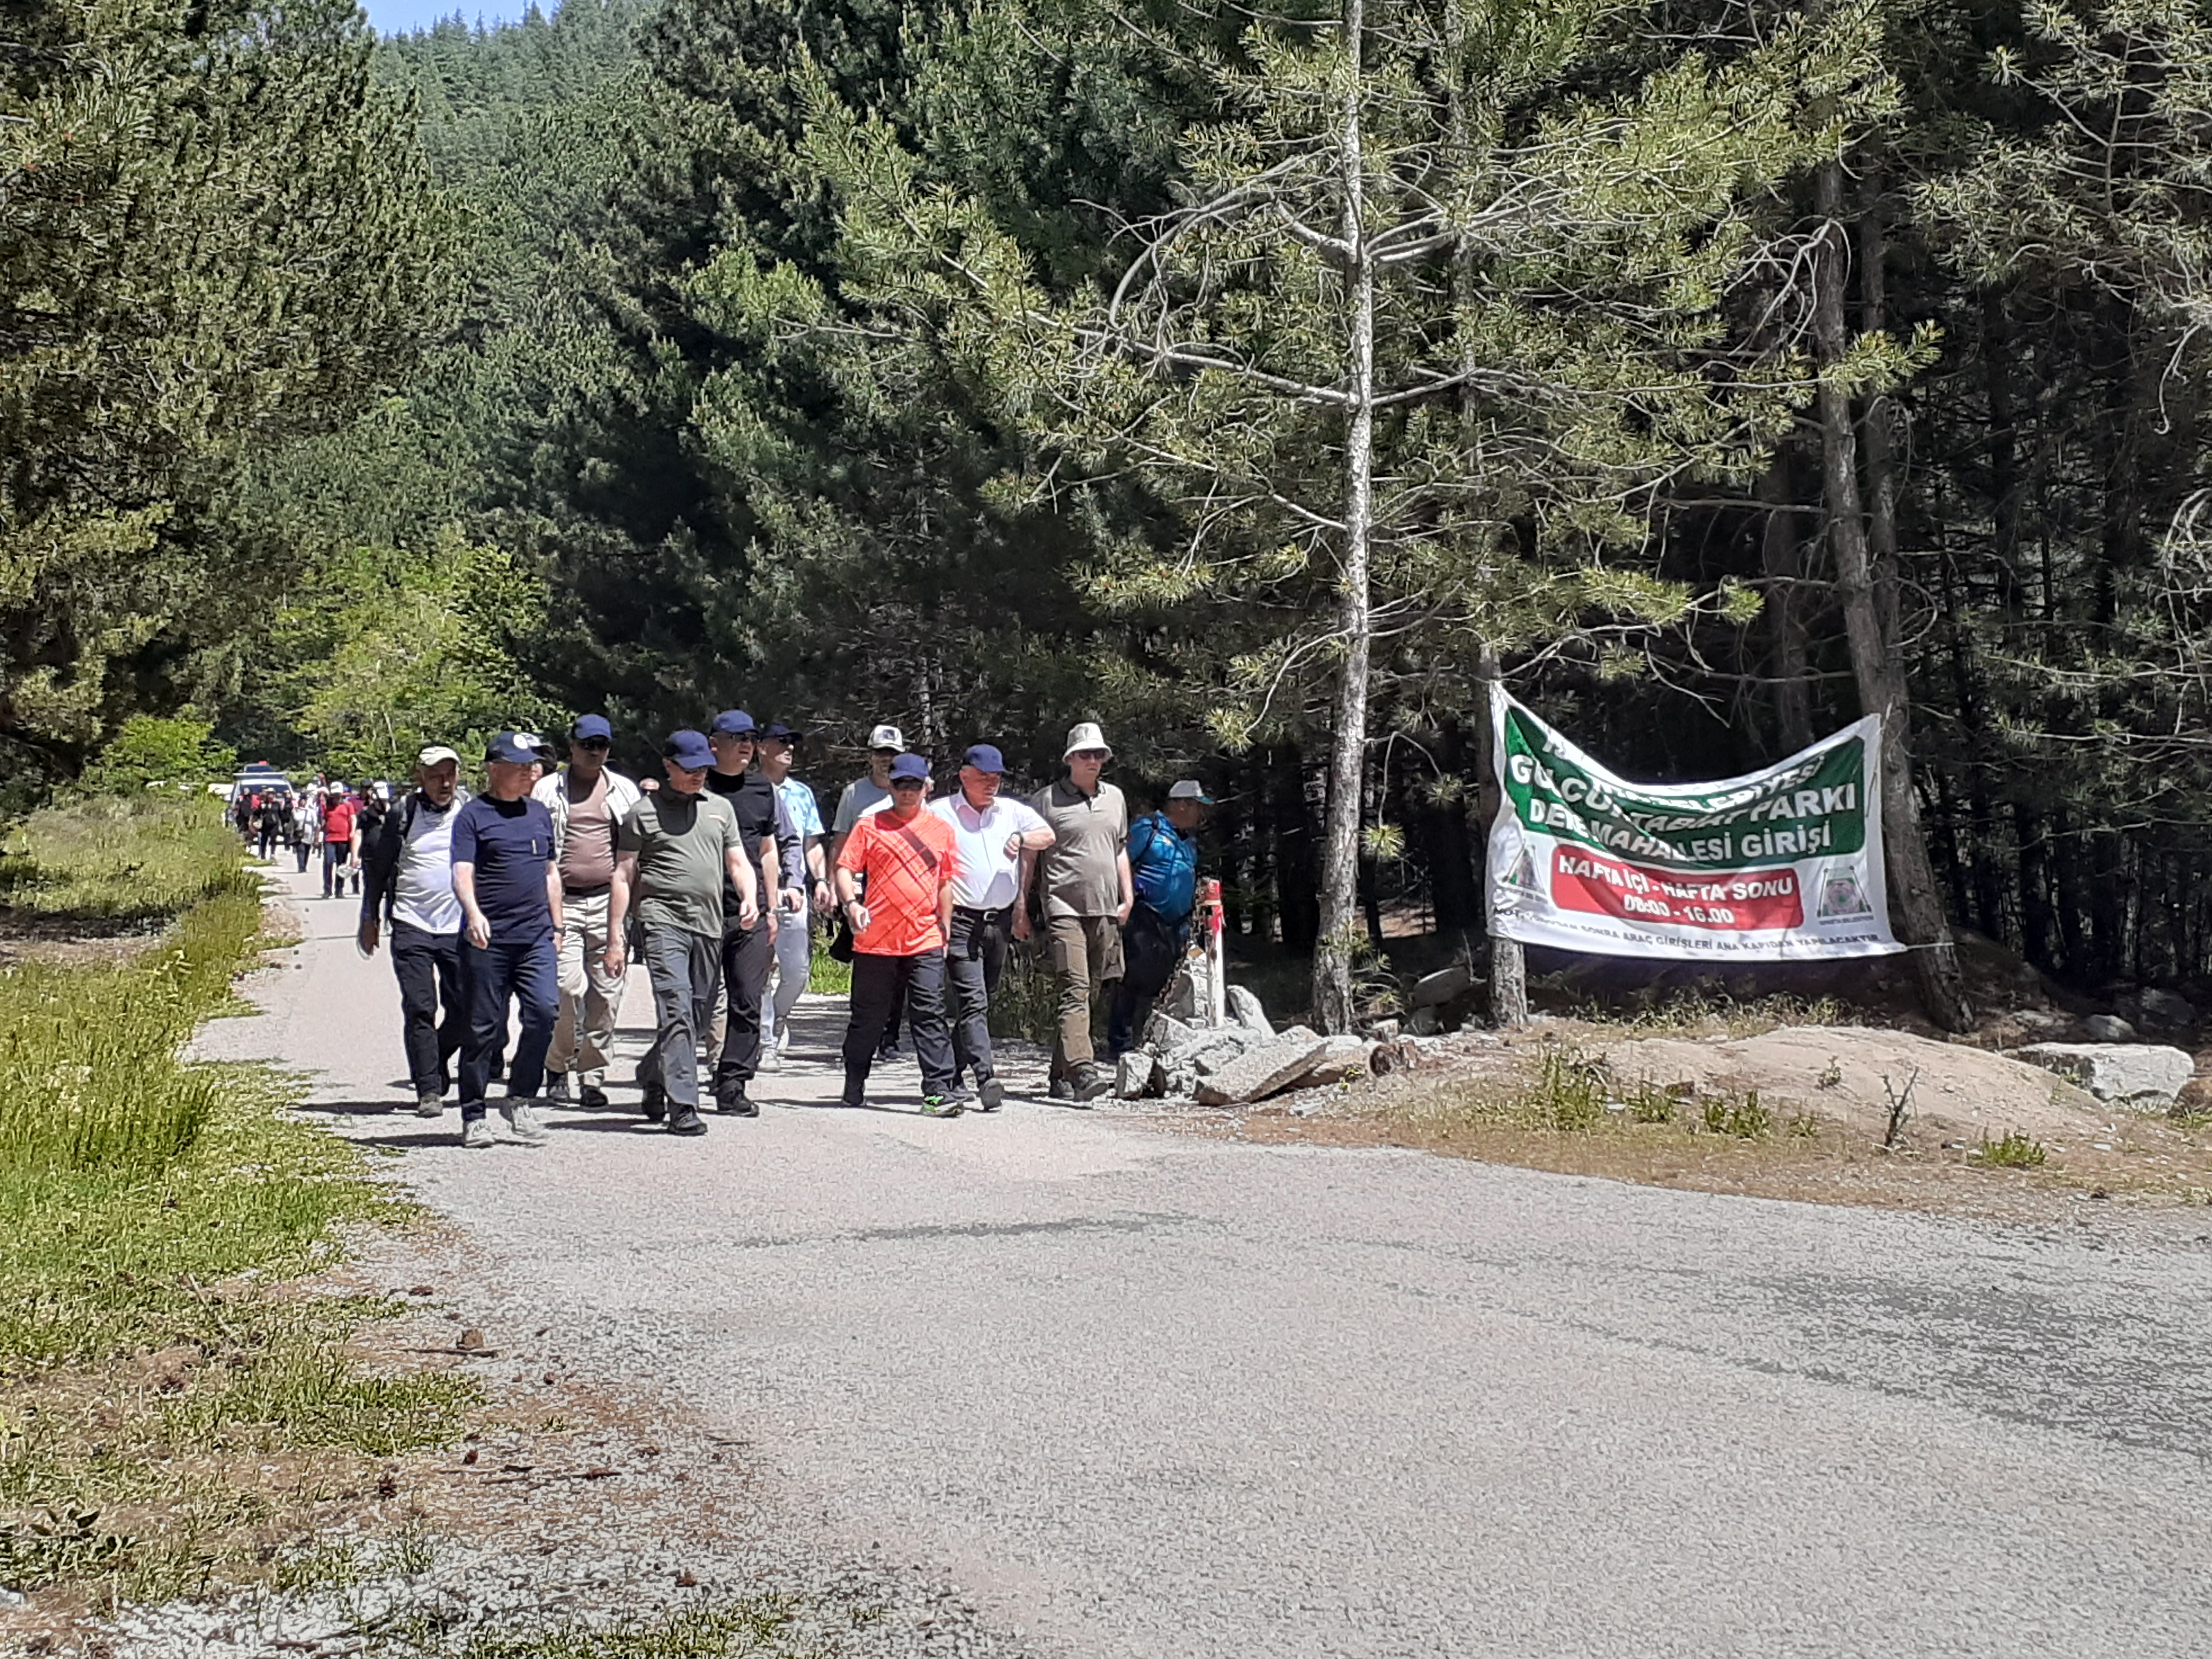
(990, 1093)
(477, 1133)
(655, 1105)
(856, 1090)
(1062, 1090)
(592, 1097)
(941, 1106)
(429, 1105)
(771, 1057)
(522, 1122)
(557, 1088)
(686, 1120)
(737, 1104)
(1092, 1082)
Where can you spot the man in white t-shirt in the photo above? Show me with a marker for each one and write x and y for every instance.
(408, 879)
(997, 838)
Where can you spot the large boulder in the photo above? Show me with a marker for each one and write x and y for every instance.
(1262, 1069)
(2108, 1028)
(1244, 1008)
(1133, 1079)
(1341, 1060)
(1165, 1033)
(2140, 1075)
(1434, 990)
(1209, 1051)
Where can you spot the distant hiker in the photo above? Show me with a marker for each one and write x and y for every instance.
(368, 823)
(806, 884)
(1083, 879)
(270, 822)
(408, 871)
(995, 837)
(306, 828)
(588, 800)
(676, 855)
(908, 859)
(1163, 869)
(748, 944)
(861, 797)
(339, 812)
(510, 893)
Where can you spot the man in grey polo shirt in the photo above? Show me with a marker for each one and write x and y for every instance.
(996, 838)
(1083, 878)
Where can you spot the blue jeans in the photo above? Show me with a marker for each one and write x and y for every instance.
(524, 970)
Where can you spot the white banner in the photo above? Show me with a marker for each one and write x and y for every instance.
(1782, 865)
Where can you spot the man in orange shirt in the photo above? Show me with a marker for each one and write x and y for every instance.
(906, 856)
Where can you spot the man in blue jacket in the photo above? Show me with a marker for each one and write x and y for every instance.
(1163, 866)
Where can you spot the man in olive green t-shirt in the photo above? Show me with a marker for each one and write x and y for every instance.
(673, 853)
(1084, 879)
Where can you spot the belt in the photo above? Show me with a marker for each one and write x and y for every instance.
(586, 893)
(986, 915)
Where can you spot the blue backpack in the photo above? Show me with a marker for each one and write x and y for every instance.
(1164, 865)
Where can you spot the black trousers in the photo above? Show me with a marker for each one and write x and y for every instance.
(973, 962)
(747, 957)
(1151, 946)
(429, 968)
(879, 983)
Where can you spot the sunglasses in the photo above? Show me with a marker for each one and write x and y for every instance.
(906, 783)
(1089, 754)
(593, 742)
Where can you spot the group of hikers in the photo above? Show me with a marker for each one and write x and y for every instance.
(326, 818)
(536, 895)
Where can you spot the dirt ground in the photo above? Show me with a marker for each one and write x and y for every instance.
(1824, 1090)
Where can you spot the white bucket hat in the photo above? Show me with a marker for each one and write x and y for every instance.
(1086, 736)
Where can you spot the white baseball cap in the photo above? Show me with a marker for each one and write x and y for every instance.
(1086, 736)
(436, 752)
(1190, 789)
(887, 736)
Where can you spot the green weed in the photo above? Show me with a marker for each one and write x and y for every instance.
(1571, 1091)
(123, 859)
(1650, 1102)
(2016, 1152)
(1741, 1117)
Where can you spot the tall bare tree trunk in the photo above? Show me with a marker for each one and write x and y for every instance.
(1332, 981)
(1874, 662)
(1782, 562)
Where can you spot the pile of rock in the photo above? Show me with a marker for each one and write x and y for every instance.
(1184, 1056)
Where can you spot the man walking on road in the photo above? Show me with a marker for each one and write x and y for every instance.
(1084, 879)
(747, 947)
(587, 799)
(994, 838)
(676, 854)
(408, 881)
(510, 893)
(907, 858)
(338, 814)
(806, 883)
(1163, 869)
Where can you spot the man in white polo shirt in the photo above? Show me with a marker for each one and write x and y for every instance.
(996, 838)
(410, 881)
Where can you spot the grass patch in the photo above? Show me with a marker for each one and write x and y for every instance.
(2016, 1152)
(825, 974)
(152, 1355)
(1692, 1013)
(1562, 1090)
(135, 858)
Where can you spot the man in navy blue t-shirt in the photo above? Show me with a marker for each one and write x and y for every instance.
(510, 892)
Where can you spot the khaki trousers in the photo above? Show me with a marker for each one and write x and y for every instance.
(591, 998)
(1086, 959)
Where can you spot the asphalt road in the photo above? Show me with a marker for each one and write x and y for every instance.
(1143, 1394)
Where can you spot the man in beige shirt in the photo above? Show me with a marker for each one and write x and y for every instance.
(588, 800)
(1083, 879)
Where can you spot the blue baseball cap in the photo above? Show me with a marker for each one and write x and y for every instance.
(515, 748)
(984, 758)
(733, 723)
(779, 730)
(688, 749)
(592, 726)
(910, 766)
